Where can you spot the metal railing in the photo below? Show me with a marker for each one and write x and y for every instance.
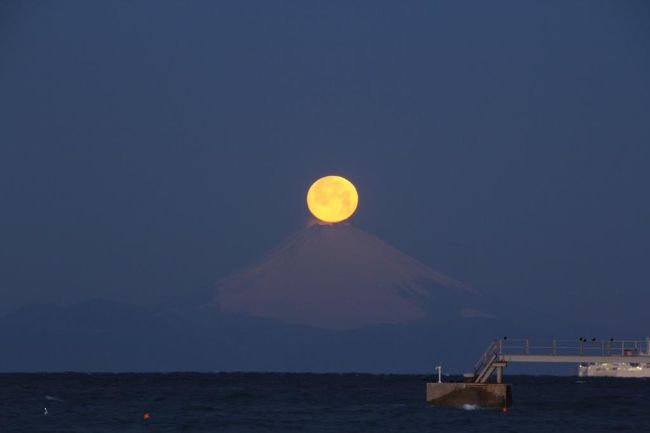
(488, 357)
(581, 346)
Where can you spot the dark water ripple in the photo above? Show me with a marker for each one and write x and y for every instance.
(89, 403)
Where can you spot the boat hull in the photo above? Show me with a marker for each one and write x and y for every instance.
(614, 369)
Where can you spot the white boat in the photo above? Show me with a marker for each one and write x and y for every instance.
(618, 369)
(614, 369)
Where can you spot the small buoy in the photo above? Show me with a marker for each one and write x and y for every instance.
(505, 409)
(45, 411)
(146, 416)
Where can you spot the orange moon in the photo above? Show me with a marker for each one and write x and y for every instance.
(332, 199)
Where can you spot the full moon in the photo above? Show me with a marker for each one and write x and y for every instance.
(332, 199)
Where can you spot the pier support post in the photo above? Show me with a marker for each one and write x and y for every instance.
(498, 366)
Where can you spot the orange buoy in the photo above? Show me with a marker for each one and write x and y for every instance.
(146, 416)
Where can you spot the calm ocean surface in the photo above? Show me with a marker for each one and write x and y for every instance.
(307, 403)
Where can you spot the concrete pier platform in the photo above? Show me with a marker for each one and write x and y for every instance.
(489, 395)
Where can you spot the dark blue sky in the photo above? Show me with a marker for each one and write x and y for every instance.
(150, 148)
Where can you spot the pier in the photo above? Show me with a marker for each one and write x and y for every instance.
(477, 391)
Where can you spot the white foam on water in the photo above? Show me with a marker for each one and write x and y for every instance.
(50, 398)
(470, 407)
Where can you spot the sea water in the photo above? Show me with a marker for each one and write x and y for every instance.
(182, 402)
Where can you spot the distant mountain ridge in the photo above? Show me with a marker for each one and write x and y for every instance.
(100, 335)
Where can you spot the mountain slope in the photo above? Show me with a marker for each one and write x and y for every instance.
(340, 277)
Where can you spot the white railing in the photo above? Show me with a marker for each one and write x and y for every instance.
(487, 358)
(580, 346)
